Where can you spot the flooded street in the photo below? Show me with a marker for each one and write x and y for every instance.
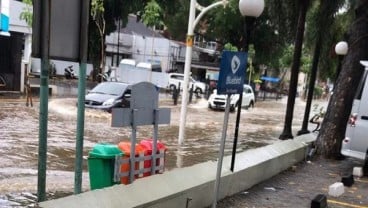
(19, 127)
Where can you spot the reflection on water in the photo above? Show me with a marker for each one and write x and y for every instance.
(19, 140)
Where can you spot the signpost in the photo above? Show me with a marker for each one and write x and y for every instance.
(231, 81)
(64, 37)
(143, 110)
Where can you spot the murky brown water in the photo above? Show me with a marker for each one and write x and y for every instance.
(19, 140)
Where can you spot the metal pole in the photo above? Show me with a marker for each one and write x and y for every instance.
(44, 93)
(236, 133)
(247, 29)
(118, 52)
(188, 62)
(192, 22)
(81, 96)
(133, 138)
(80, 130)
(221, 152)
(154, 141)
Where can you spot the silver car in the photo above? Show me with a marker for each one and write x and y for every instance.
(108, 95)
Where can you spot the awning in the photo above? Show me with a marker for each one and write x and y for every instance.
(270, 79)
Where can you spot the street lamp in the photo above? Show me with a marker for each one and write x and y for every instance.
(247, 8)
(341, 50)
(252, 8)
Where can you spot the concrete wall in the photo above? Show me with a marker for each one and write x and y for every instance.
(194, 186)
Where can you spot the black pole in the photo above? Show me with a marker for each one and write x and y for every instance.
(248, 22)
(295, 68)
(312, 81)
(118, 52)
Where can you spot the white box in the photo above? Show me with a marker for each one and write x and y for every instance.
(336, 189)
(358, 171)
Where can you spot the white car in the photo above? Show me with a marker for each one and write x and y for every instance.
(216, 101)
(176, 78)
(355, 143)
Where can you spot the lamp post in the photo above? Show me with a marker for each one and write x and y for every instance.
(341, 49)
(252, 8)
(246, 7)
(192, 22)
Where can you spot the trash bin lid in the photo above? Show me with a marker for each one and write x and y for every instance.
(105, 151)
(125, 148)
(148, 144)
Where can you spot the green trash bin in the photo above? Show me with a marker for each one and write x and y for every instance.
(101, 162)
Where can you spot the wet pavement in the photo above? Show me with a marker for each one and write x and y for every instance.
(299, 185)
(259, 126)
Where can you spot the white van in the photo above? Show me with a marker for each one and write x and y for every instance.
(176, 79)
(131, 72)
(149, 66)
(355, 143)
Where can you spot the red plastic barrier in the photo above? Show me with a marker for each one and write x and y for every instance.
(147, 144)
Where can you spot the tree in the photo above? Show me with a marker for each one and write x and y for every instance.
(287, 133)
(333, 127)
(106, 12)
(175, 14)
(323, 20)
(152, 14)
(27, 13)
(98, 16)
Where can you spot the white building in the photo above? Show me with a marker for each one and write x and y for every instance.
(12, 47)
(136, 41)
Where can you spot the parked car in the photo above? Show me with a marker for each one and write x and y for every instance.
(355, 143)
(176, 78)
(216, 101)
(108, 95)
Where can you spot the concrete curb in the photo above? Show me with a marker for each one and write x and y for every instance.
(194, 186)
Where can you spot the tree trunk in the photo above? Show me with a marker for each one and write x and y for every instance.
(334, 124)
(287, 132)
(325, 18)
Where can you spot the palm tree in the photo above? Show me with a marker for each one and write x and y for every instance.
(287, 133)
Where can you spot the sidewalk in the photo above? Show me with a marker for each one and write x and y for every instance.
(298, 186)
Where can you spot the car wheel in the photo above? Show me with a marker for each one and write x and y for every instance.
(251, 104)
(198, 91)
(233, 108)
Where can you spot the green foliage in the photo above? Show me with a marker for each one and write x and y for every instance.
(175, 13)
(318, 91)
(152, 14)
(321, 21)
(27, 13)
(230, 47)
(97, 8)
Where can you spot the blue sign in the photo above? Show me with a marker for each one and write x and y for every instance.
(4, 17)
(232, 72)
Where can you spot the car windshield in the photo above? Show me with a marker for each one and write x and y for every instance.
(111, 88)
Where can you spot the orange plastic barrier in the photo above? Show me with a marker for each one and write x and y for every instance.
(125, 167)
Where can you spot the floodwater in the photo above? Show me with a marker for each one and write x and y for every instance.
(19, 129)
